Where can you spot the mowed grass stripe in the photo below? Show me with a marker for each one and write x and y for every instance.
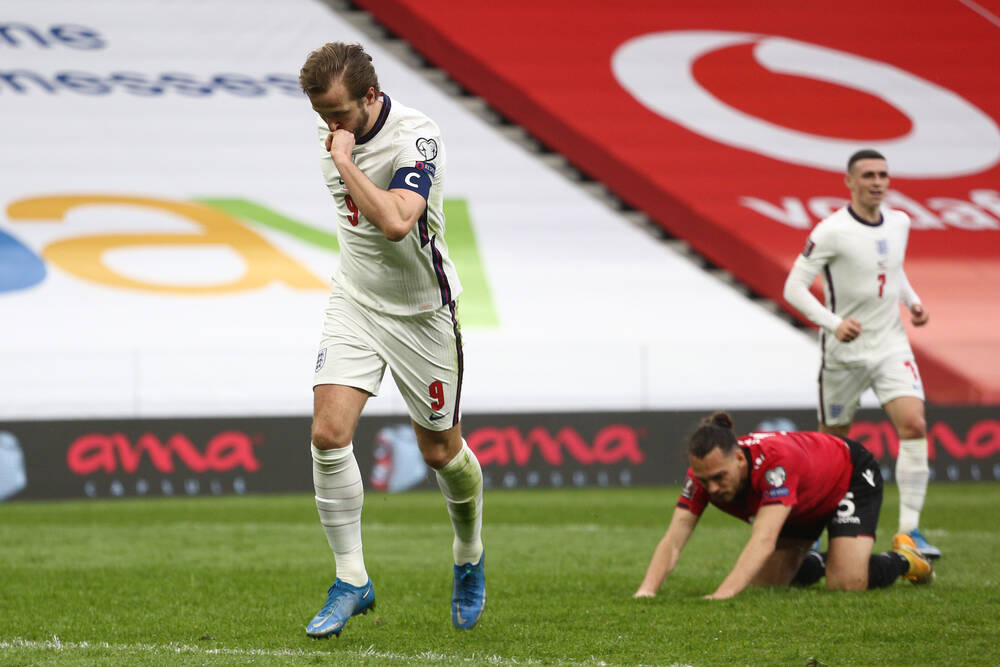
(238, 577)
(179, 650)
(58, 646)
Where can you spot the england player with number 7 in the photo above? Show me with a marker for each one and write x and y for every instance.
(859, 251)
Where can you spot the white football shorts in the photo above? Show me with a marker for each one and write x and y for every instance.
(841, 386)
(423, 351)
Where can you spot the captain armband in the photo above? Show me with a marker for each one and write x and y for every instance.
(418, 179)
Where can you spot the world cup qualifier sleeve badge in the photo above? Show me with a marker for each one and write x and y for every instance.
(428, 148)
(688, 490)
(775, 477)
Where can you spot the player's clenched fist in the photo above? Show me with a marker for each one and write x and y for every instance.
(340, 142)
(918, 316)
(848, 330)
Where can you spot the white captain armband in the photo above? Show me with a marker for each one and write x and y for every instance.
(417, 178)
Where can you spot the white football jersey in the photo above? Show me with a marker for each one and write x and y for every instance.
(413, 275)
(861, 264)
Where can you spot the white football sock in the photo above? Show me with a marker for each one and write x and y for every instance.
(340, 495)
(912, 473)
(461, 482)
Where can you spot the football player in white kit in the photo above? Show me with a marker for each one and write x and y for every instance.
(392, 303)
(860, 250)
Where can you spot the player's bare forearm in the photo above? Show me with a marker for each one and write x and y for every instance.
(662, 563)
(392, 212)
(747, 566)
(667, 553)
(763, 538)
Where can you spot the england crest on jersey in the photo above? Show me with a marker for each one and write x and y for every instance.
(882, 246)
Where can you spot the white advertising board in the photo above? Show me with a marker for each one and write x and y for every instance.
(166, 237)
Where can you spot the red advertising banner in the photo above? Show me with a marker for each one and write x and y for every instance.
(218, 456)
(730, 125)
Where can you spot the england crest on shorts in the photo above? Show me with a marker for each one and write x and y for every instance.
(775, 476)
(320, 359)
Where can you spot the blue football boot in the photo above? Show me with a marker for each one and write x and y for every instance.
(343, 602)
(926, 549)
(468, 594)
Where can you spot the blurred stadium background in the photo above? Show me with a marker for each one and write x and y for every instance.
(628, 184)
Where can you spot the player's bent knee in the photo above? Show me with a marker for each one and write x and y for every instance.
(437, 457)
(326, 437)
(912, 428)
(855, 584)
(438, 447)
(847, 581)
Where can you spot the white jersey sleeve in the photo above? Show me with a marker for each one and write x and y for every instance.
(907, 294)
(820, 248)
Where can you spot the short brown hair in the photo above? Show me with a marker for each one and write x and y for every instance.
(863, 154)
(337, 60)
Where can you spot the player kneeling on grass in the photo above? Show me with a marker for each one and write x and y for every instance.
(789, 486)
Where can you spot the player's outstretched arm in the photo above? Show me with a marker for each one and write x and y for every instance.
(393, 212)
(667, 553)
(763, 538)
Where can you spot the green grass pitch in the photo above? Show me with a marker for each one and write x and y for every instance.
(233, 580)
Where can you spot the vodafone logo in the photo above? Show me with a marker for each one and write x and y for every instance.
(949, 136)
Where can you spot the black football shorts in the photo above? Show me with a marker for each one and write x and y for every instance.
(857, 513)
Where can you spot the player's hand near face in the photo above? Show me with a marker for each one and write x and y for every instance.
(918, 316)
(848, 330)
(340, 143)
(393, 212)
